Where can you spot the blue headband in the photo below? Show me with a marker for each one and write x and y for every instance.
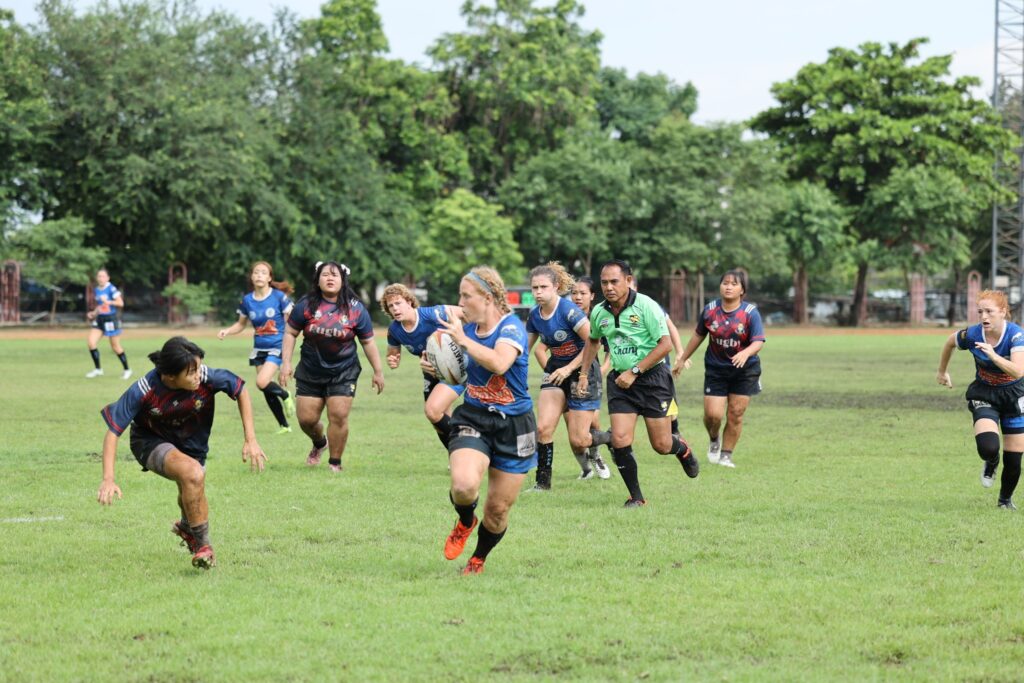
(487, 288)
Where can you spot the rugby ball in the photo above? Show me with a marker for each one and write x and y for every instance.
(447, 358)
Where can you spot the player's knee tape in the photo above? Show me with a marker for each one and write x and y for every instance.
(988, 446)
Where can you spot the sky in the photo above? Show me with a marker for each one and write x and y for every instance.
(731, 51)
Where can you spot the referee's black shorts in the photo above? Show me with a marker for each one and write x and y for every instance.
(649, 396)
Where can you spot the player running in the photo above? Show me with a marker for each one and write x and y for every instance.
(170, 411)
(106, 323)
(330, 316)
(493, 430)
(562, 326)
(995, 396)
(411, 328)
(732, 369)
(267, 306)
(640, 383)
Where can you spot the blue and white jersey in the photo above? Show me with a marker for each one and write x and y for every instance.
(508, 393)
(986, 371)
(267, 316)
(415, 342)
(559, 332)
(104, 297)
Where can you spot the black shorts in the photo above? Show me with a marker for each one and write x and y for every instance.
(109, 324)
(1002, 404)
(722, 381)
(650, 395)
(510, 441)
(429, 382)
(317, 386)
(573, 401)
(151, 451)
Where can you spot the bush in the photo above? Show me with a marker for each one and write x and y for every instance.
(192, 300)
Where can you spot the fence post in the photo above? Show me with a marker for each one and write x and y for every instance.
(10, 293)
(916, 299)
(677, 296)
(177, 271)
(973, 289)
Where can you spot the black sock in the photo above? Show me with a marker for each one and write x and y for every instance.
(675, 426)
(599, 438)
(545, 458)
(202, 533)
(95, 353)
(275, 405)
(680, 447)
(626, 463)
(321, 442)
(275, 389)
(465, 511)
(123, 357)
(444, 429)
(485, 541)
(1011, 474)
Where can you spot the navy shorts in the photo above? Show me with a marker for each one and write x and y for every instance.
(510, 441)
(151, 451)
(592, 401)
(342, 384)
(651, 394)
(1002, 404)
(110, 324)
(722, 381)
(429, 382)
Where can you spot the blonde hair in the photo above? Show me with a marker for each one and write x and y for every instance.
(282, 285)
(391, 291)
(558, 275)
(997, 297)
(494, 283)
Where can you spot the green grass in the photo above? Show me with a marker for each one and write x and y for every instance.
(853, 542)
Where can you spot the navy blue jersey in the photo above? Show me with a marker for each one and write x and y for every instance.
(267, 317)
(329, 335)
(180, 417)
(508, 393)
(415, 342)
(559, 332)
(986, 371)
(730, 332)
(104, 297)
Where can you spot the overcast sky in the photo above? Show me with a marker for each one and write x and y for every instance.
(731, 51)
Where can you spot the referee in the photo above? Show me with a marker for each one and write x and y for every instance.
(640, 382)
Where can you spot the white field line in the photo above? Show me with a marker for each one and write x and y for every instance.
(25, 520)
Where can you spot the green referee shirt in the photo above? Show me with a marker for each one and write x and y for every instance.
(633, 333)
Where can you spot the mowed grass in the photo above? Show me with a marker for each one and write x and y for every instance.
(852, 542)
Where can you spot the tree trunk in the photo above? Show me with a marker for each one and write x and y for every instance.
(53, 307)
(953, 296)
(800, 313)
(859, 310)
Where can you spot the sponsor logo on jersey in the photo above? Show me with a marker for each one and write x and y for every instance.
(634, 319)
(561, 335)
(269, 312)
(495, 391)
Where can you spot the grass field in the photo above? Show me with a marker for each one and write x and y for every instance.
(852, 542)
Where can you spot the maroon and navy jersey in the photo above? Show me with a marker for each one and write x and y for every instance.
(329, 335)
(180, 417)
(987, 372)
(730, 332)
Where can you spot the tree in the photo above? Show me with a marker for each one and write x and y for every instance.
(164, 141)
(812, 225)
(709, 195)
(633, 107)
(24, 115)
(853, 120)
(464, 231)
(520, 76)
(569, 200)
(55, 255)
